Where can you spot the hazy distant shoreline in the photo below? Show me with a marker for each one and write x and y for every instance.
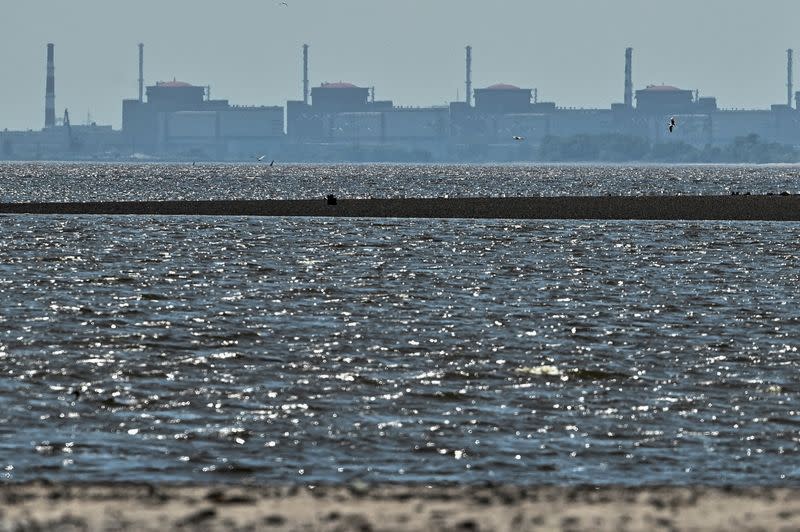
(580, 149)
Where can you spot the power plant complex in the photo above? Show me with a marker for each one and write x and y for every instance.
(180, 118)
(338, 121)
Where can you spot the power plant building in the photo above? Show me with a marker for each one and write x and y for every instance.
(503, 98)
(178, 119)
(501, 112)
(62, 141)
(664, 99)
(344, 112)
(174, 119)
(59, 139)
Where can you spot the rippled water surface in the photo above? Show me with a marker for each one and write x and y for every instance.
(81, 181)
(319, 350)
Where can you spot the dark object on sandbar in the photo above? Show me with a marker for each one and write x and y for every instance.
(331, 199)
(784, 193)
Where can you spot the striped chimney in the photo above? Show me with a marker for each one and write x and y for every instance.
(50, 92)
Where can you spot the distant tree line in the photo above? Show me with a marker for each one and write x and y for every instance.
(623, 148)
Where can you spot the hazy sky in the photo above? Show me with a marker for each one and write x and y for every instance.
(412, 51)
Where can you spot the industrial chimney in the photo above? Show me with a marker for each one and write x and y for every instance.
(469, 76)
(141, 72)
(789, 77)
(629, 77)
(50, 91)
(305, 74)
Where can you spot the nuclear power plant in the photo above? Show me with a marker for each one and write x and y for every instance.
(337, 120)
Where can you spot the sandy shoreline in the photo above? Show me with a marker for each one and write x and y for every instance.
(738, 207)
(44, 506)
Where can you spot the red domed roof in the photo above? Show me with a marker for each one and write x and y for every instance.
(173, 84)
(339, 85)
(502, 87)
(662, 88)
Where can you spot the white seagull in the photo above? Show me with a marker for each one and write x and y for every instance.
(518, 138)
(672, 124)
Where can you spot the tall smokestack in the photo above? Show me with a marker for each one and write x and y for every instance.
(141, 72)
(305, 74)
(629, 77)
(469, 76)
(50, 91)
(789, 53)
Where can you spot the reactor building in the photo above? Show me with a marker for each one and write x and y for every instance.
(181, 119)
(346, 114)
(337, 120)
(341, 112)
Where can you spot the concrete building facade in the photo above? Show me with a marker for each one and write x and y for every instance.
(178, 119)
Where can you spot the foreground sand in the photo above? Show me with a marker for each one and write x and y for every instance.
(363, 508)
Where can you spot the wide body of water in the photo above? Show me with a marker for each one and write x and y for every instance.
(303, 350)
(119, 182)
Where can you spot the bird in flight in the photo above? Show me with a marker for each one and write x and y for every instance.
(672, 124)
(272, 163)
(284, 4)
(261, 158)
(518, 138)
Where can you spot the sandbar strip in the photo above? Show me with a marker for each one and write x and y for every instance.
(738, 207)
(45, 506)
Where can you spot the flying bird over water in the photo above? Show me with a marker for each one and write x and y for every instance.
(518, 138)
(261, 158)
(272, 163)
(672, 124)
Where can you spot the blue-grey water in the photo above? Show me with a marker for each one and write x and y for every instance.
(303, 350)
(119, 182)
